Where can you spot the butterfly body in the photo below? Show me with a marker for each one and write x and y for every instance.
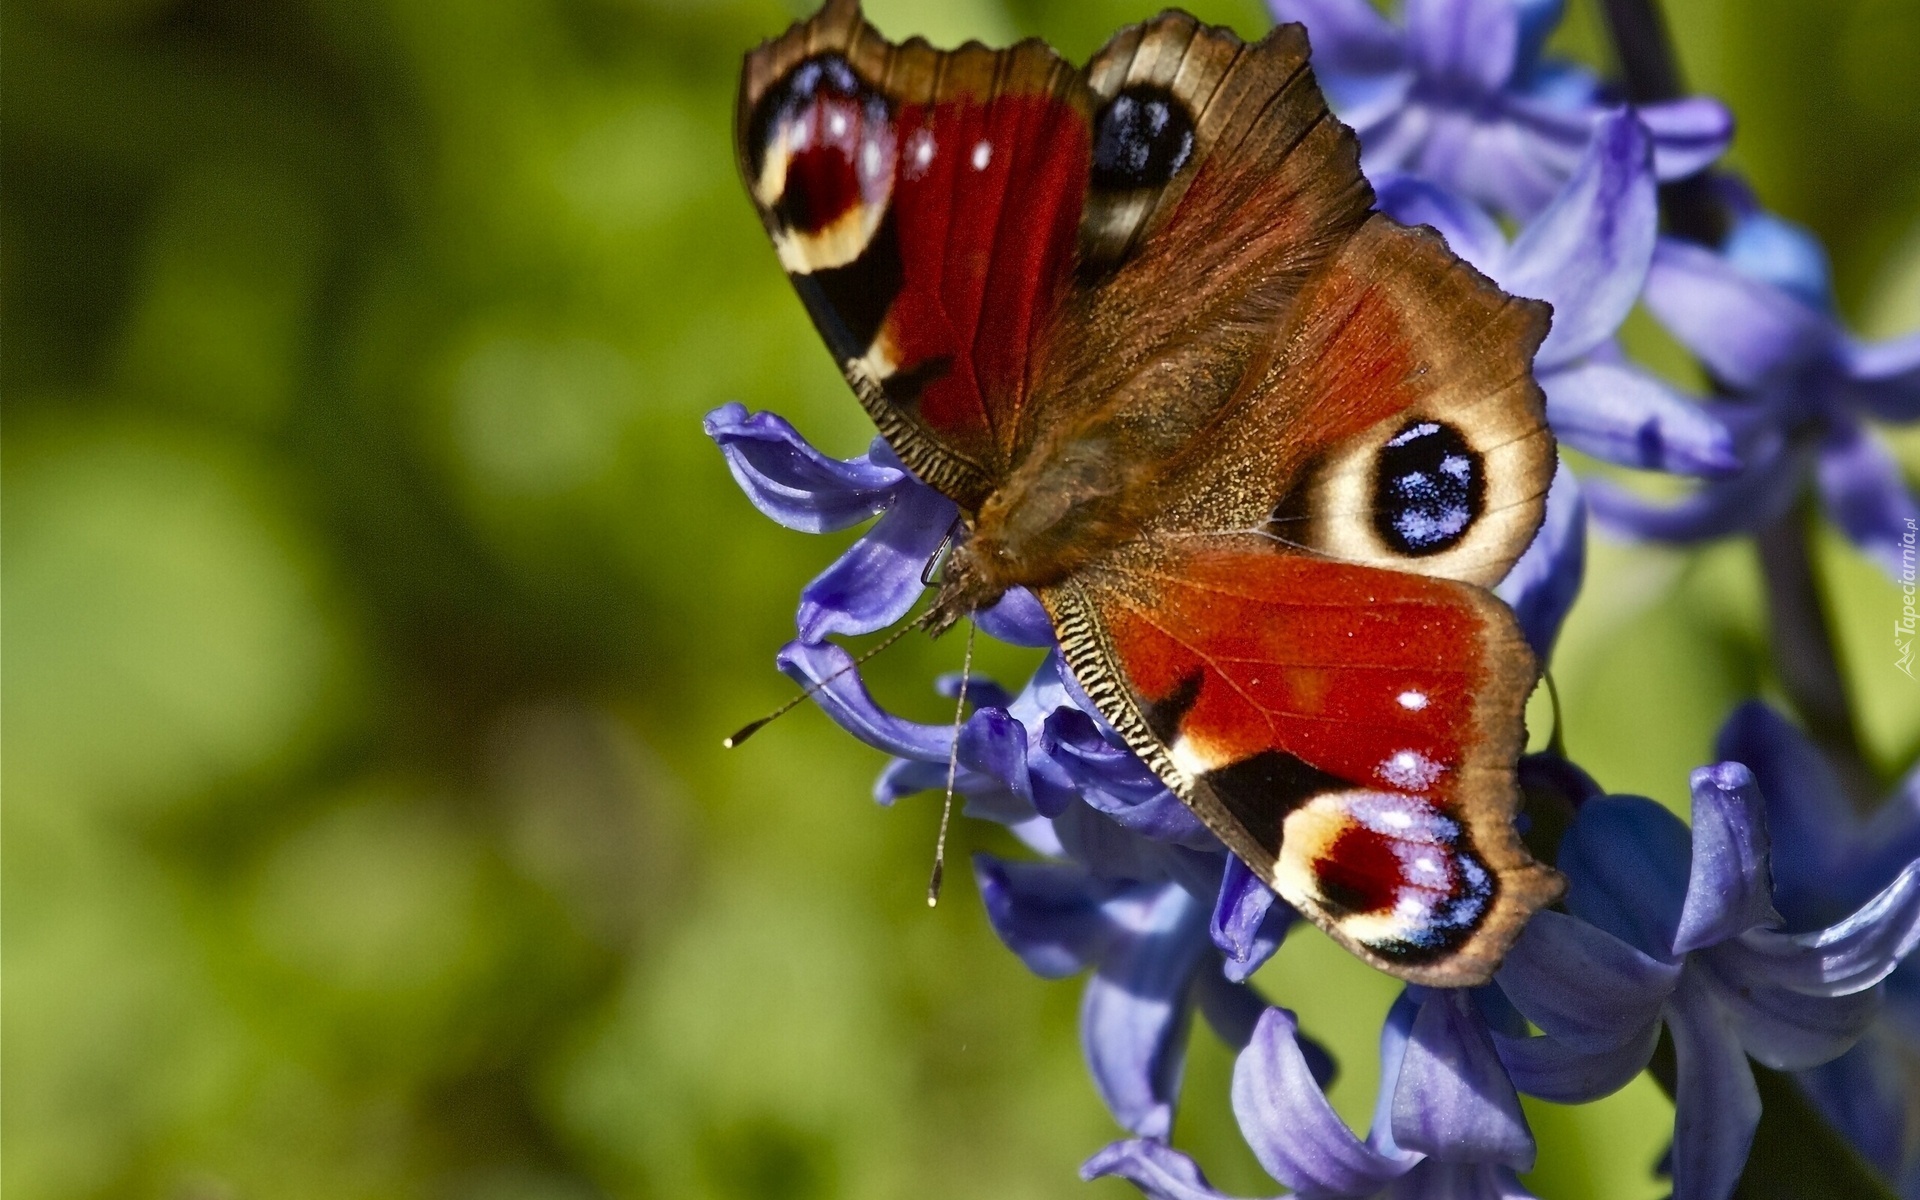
(1257, 449)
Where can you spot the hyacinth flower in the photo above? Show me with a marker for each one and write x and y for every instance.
(1152, 963)
(1447, 1123)
(1586, 253)
(1827, 861)
(1460, 94)
(1800, 391)
(1678, 927)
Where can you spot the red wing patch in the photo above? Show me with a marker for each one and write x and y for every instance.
(927, 207)
(1350, 732)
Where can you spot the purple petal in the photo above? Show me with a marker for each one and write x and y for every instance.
(995, 744)
(1249, 921)
(987, 797)
(1866, 496)
(1688, 135)
(1553, 1070)
(1883, 378)
(1847, 957)
(842, 696)
(1157, 1169)
(877, 580)
(1472, 44)
(1863, 1094)
(1581, 985)
(1454, 1099)
(1543, 585)
(1776, 251)
(793, 483)
(1349, 37)
(1622, 414)
(1716, 1106)
(1049, 914)
(1135, 1014)
(1436, 1180)
(1587, 252)
(1809, 818)
(1017, 618)
(1756, 497)
(1786, 1030)
(1742, 329)
(1625, 859)
(1729, 888)
(1468, 229)
(1292, 1130)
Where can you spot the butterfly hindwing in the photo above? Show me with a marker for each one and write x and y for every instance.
(1349, 732)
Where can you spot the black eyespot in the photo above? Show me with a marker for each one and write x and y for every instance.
(1428, 489)
(823, 75)
(1140, 139)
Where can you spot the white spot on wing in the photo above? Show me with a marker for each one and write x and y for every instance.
(1413, 701)
(920, 148)
(1409, 769)
(982, 155)
(1188, 758)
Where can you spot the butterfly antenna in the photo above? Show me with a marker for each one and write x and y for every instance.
(752, 727)
(953, 769)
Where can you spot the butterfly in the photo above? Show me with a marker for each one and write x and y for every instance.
(1258, 449)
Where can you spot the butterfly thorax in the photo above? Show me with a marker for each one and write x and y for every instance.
(1069, 502)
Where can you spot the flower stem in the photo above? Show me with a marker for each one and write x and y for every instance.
(1798, 625)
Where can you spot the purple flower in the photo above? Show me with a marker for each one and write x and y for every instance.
(1152, 962)
(1678, 928)
(1758, 314)
(1460, 95)
(1586, 253)
(1827, 861)
(1447, 1122)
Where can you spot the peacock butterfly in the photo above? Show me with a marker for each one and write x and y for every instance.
(1258, 449)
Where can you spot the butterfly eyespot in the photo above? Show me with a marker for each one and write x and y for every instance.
(1141, 138)
(1429, 488)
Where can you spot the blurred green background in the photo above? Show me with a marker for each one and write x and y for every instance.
(374, 607)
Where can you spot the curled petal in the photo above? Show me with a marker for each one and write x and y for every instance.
(1135, 1013)
(1157, 1169)
(1049, 914)
(1743, 329)
(1553, 1070)
(1248, 922)
(1453, 1098)
(1716, 1105)
(1849, 956)
(843, 696)
(1542, 586)
(1786, 1030)
(1811, 823)
(1883, 378)
(1436, 1180)
(1292, 1130)
(1583, 986)
(1729, 889)
(1018, 619)
(1468, 42)
(1867, 497)
(995, 744)
(1468, 229)
(1349, 37)
(1619, 413)
(793, 483)
(1688, 135)
(1587, 252)
(877, 580)
(1755, 497)
(1625, 859)
(987, 796)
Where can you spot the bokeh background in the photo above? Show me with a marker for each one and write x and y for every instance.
(374, 608)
